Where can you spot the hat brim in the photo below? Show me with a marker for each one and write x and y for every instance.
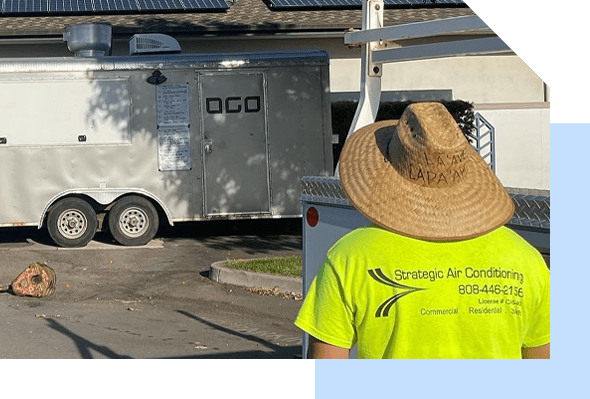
(469, 208)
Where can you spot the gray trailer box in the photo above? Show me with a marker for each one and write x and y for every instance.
(186, 137)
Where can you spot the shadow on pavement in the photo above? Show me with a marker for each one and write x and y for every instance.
(83, 345)
(253, 236)
(254, 245)
(284, 353)
(277, 351)
(215, 228)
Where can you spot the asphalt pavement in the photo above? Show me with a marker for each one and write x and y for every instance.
(148, 302)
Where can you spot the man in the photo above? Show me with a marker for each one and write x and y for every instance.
(436, 275)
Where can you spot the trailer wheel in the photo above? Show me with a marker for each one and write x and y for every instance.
(133, 220)
(72, 222)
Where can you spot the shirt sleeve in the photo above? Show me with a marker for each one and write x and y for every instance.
(326, 313)
(539, 328)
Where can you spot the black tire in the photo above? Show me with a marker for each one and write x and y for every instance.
(72, 222)
(133, 221)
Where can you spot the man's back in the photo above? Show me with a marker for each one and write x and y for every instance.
(401, 297)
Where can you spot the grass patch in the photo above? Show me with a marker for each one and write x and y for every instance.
(290, 266)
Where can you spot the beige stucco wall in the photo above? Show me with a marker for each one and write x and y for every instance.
(501, 79)
(522, 146)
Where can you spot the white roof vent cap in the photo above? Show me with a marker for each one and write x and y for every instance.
(153, 43)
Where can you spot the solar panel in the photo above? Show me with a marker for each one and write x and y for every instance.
(64, 7)
(334, 4)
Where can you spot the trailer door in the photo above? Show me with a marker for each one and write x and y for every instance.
(234, 137)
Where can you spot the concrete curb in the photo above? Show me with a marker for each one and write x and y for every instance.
(228, 275)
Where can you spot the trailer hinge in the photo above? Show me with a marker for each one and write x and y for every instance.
(157, 78)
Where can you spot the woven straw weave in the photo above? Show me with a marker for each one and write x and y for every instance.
(420, 177)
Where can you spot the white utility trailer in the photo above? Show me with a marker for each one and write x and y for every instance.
(328, 214)
(157, 135)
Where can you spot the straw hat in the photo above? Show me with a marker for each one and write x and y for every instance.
(419, 177)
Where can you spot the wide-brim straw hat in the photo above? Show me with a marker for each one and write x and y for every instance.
(420, 177)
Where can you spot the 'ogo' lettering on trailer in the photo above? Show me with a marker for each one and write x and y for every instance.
(232, 105)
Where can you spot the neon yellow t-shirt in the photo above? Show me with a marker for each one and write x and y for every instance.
(399, 297)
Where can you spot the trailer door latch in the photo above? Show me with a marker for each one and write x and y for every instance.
(82, 138)
(2, 140)
(208, 146)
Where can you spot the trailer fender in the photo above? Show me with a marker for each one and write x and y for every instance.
(105, 197)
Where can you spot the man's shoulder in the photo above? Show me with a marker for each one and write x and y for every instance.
(504, 244)
(506, 236)
(365, 233)
(364, 239)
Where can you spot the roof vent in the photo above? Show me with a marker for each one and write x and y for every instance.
(89, 40)
(154, 43)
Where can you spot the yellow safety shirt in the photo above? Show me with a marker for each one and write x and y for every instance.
(399, 297)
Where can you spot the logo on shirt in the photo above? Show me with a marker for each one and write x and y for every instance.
(380, 277)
